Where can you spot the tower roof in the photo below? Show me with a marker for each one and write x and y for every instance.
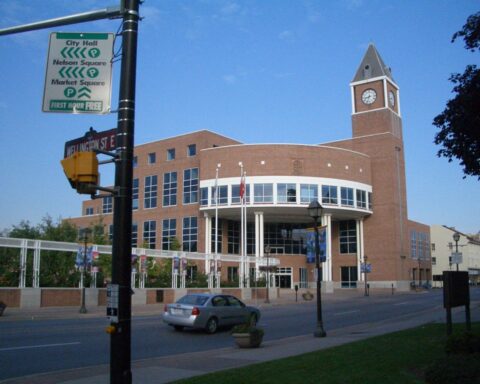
(372, 66)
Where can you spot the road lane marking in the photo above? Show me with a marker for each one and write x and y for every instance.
(402, 303)
(346, 312)
(39, 346)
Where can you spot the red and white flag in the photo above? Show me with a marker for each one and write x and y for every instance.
(242, 186)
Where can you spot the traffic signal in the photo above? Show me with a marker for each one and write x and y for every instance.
(81, 170)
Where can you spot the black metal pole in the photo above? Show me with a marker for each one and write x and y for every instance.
(319, 332)
(120, 341)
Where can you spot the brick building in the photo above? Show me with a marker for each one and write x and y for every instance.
(360, 183)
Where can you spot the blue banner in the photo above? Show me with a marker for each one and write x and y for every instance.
(80, 256)
(310, 243)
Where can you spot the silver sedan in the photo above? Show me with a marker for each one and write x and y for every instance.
(208, 312)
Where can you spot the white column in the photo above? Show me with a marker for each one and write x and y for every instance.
(327, 271)
(360, 247)
(259, 243)
(36, 265)
(208, 239)
(23, 264)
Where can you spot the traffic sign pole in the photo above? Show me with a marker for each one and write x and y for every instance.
(120, 341)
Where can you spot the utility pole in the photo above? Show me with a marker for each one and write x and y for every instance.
(120, 341)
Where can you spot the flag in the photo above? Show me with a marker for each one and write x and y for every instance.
(242, 186)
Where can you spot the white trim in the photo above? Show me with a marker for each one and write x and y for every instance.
(378, 109)
(373, 79)
(319, 146)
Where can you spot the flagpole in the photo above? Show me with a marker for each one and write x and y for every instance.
(245, 264)
(216, 225)
(240, 277)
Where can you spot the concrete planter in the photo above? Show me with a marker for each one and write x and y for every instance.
(252, 339)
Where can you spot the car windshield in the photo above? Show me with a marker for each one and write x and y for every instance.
(193, 300)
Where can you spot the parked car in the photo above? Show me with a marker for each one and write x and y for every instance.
(208, 312)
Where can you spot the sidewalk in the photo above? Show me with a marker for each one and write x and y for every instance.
(171, 368)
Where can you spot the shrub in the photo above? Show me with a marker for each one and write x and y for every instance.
(458, 369)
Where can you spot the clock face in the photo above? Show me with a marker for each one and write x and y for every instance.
(369, 96)
(391, 98)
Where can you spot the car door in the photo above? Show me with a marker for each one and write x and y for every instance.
(238, 313)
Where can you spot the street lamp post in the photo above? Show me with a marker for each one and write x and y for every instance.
(456, 238)
(315, 211)
(267, 282)
(86, 232)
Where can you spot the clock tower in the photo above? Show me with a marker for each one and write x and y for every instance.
(375, 95)
(377, 132)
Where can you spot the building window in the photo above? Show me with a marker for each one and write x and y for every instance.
(236, 193)
(361, 199)
(170, 189)
(329, 194)
(107, 206)
(263, 193)
(190, 234)
(192, 150)
(434, 261)
(150, 193)
(169, 233)
(348, 236)
(285, 238)
(370, 201)
(170, 154)
(219, 236)
(349, 276)
(346, 195)
(413, 244)
(134, 234)
(192, 272)
(433, 247)
(135, 192)
(222, 195)
(232, 273)
(286, 193)
(150, 233)
(308, 193)
(190, 186)
(89, 211)
(204, 196)
(152, 158)
(135, 161)
(234, 237)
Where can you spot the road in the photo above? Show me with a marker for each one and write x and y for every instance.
(32, 347)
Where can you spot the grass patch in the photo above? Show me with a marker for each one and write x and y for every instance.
(400, 357)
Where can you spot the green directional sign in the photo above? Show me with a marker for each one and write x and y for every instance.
(79, 73)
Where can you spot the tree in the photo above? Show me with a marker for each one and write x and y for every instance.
(459, 123)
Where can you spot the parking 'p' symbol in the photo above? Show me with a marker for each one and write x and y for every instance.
(70, 92)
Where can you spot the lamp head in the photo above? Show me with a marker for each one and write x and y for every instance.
(456, 236)
(315, 210)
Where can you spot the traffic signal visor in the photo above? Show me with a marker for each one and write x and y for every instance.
(81, 170)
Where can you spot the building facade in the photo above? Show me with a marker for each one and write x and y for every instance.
(444, 245)
(189, 187)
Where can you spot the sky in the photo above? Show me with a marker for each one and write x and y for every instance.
(264, 71)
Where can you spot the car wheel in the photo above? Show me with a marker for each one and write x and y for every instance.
(178, 328)
(212, 325)
(253, 319)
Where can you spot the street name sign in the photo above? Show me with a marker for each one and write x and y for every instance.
(79, 73)
(92, 140)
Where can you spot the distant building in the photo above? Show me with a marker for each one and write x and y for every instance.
(360, 183)
(443, 246)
